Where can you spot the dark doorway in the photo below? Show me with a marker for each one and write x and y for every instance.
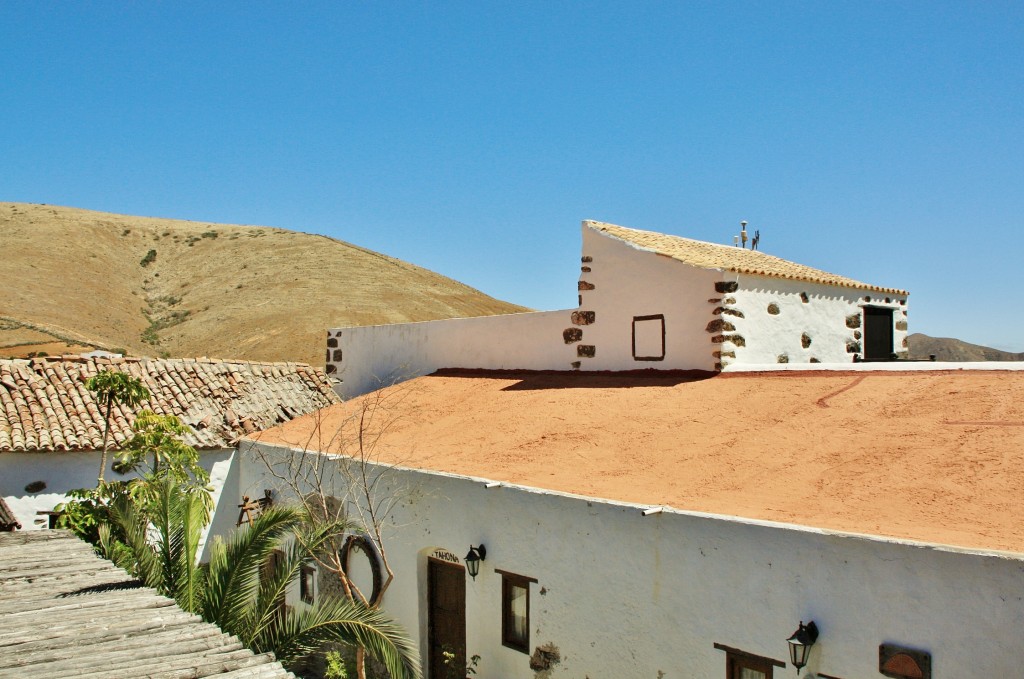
(877, 334)
(446, 618)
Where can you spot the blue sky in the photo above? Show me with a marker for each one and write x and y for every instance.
(883, 141)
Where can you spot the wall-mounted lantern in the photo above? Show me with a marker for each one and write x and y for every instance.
(800, 644)
(473, 559)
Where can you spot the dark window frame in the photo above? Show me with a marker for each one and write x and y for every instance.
(307, 584)
(508, 636)
(737, 659)
(652, 317)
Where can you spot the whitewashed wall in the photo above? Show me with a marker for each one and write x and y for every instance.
(628, 281)
(778, 337)
(66, 471)
(367, 357)
(623, 595)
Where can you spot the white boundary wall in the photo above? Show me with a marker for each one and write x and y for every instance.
(369, 357)
(623, 595)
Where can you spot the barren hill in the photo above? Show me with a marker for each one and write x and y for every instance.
(76, 279)
(949, 349)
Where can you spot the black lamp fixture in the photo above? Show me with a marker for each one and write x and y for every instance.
(473, 559)
(800, 644)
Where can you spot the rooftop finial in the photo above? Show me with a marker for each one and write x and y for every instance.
(743, 233)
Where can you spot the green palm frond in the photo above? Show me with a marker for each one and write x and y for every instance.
(337, 619)
(233, 573)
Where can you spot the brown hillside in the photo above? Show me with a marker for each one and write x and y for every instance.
(74, 279)
(949, 349)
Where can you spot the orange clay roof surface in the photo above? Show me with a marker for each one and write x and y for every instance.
(729, 258)
(931, 456)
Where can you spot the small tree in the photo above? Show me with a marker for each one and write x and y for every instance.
(349, 485)
(114, 388)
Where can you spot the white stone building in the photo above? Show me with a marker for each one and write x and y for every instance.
(51, 428)
(647, 301)
(684, 526)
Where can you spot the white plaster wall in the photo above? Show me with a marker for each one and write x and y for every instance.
(623, 595)
(66, 471)
(628, 282)
(372, 356)
(822, 317)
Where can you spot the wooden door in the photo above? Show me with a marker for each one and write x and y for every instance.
(877, 334)
(446, 619)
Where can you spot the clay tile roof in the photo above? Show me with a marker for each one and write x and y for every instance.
(45, 406)
(729, 258)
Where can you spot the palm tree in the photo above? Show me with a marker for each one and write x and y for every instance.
(235, 591)
(112, 387)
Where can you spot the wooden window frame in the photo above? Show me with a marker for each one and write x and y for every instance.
(653, 317)
(737, 659)
(508, 638)
(307, 586)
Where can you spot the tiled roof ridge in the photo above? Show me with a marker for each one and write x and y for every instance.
(729, 257)
(45, 406)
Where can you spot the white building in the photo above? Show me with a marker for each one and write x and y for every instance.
(51, 428)
(647, 301)
(684, 526)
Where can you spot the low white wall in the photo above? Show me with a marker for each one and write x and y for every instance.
(623, 595)
(368, 357)
(64, 471)
(769, 336)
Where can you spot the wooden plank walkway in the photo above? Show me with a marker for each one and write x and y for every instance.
(65, 612)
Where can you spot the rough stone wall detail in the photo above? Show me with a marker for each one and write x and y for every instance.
(719, 325)
(334, 354)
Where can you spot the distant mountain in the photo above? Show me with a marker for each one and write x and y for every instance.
(74, 280)
(949, 349)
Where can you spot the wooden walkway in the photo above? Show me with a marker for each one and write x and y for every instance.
(65, 612)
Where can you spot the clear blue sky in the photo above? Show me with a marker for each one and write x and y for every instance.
(879, 140)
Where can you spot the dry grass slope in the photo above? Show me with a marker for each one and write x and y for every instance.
(949, 349)
(74, 279)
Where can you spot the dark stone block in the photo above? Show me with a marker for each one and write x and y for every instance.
(719, 325)
(328, 358)
(576, 365)
(804, 298)
(718, 339)
(714, 300)
(853, 321)
(773, 309)
(586, 350)
(724, 354)
(727, 286)
(856, 334)
(331, 368)
(738, 340)
(724, 310)
(783, 358)
(583, 285)
(814, 360)
(583, 317)
(585, 269)
(336, 356)
(905, 343)
(805, 340)
(853, 347)
(586, 259)
(571, 335)
(332, 343)
(901, 325)
(730, 300)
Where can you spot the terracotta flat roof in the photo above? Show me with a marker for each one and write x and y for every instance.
(45, 406)
(729, 258)
(932, 456)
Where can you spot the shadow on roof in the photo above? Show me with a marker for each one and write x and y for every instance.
(533, 380)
